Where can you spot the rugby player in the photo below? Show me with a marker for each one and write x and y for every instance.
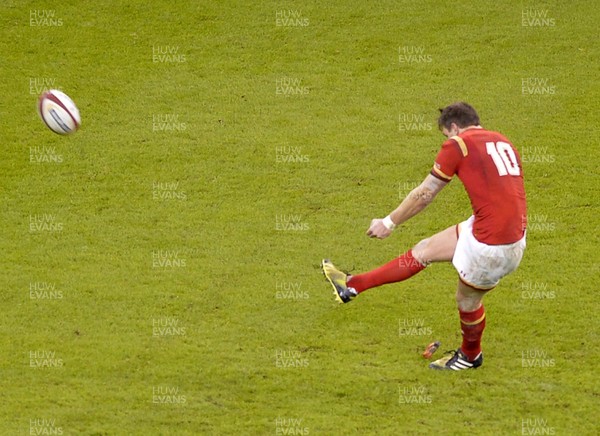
(483, 248)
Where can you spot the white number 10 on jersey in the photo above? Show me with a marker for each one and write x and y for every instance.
(504, 158)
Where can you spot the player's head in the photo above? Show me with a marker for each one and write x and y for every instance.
(457, 116)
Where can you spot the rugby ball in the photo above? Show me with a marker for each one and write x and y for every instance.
(59, 112)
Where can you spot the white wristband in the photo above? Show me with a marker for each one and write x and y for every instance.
(388, 223)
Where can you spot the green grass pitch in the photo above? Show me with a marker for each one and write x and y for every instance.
(160, 267)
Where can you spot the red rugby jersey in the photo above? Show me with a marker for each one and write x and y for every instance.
(490, 168)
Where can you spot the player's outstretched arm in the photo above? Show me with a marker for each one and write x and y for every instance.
(415, 202)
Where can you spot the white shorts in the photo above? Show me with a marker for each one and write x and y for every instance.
(480, 265)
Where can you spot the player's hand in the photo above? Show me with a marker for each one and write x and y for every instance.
(378, 229)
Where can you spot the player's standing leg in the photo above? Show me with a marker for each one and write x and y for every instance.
(472, 324)
(472, 318)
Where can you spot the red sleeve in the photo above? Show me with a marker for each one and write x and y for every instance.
(447, 160)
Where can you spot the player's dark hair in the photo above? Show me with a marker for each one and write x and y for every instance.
(461, 113)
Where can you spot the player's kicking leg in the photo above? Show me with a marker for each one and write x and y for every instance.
(438, 248)
(338, 281)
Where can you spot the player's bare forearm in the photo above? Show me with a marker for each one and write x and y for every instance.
(415, 202)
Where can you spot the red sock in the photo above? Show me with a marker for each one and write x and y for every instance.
(397, 270)
(472, 325)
